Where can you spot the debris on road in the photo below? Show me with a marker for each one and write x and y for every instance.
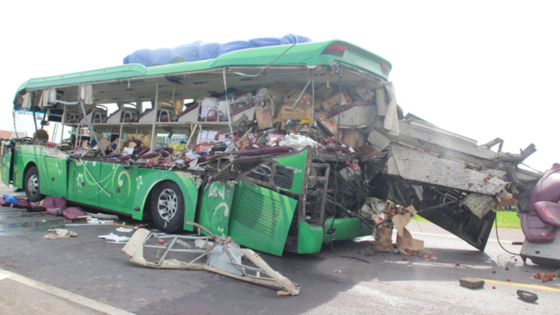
(548, 276)
(471, 283)
(115, 238)
(527, 296)
(224, 256)
(60, 233)
(104, 216)
(124, 229)
(96, 221)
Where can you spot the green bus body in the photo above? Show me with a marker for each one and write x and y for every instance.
(236, 211)
(253, 215)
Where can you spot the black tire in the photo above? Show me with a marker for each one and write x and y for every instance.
(31, 185)
(168, 207)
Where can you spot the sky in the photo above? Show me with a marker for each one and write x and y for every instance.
(482, 69)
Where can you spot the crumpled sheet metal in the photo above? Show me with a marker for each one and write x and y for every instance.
(417, 165)
(224, 257)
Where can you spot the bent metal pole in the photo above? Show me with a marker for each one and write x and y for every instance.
(81, 102)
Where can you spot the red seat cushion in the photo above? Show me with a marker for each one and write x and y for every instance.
(535, 230)
(548, 212)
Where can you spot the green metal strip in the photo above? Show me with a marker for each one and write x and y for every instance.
(346, 228)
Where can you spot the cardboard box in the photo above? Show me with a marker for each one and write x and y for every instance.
(308, 111)
(383, 236)
(293, 95)
(407, 245)
(279, 88)
(328, 125)
(321, 115)
(353, 138)
(278, 117)
(299, 112)
(264, 117)
(289, 113)
(332, 102)
(362, 92)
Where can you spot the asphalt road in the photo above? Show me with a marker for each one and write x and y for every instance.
(89, 269)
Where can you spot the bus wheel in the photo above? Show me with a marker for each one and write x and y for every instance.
(168, 207)
(32, 185)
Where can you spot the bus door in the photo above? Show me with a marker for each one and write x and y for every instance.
(54, 173)
(120, 182)
(83, 182)
(7, 163)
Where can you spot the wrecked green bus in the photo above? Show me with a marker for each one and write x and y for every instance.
(279, 147)
(261, 200)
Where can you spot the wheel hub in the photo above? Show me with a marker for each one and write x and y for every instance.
(167, 204)
(33, 185)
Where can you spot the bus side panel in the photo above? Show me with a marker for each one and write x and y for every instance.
(120, 183)
(54, 180)
(149, 178)
(82, 187)
(215, 208)
(25, 154)
(260, 218)
(51, 164)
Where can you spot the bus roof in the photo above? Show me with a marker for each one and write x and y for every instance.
(312, 54)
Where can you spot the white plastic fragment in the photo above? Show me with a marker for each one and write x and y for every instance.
(97, 221)
(124, 229)
(114, 237)
(298, 142)
(103, 216)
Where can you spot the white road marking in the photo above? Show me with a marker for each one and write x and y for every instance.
(98, 306)
(453, 236)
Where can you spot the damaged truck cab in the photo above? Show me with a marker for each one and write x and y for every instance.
(277, 146)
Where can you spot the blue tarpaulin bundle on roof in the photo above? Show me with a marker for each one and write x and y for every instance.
(199, 51)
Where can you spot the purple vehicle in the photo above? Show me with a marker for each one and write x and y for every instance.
(541, 220)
